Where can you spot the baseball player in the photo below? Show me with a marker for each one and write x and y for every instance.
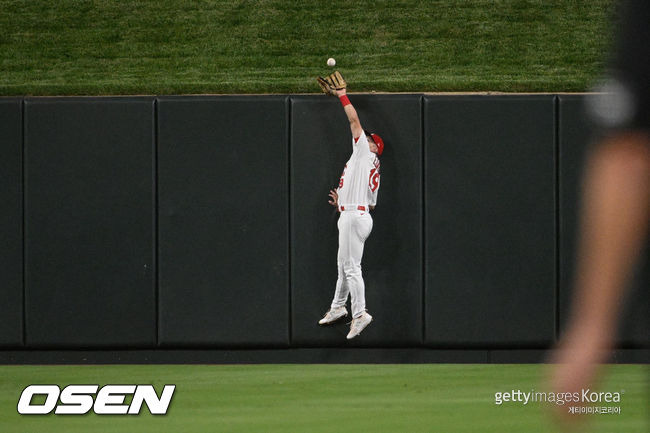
(354, 198)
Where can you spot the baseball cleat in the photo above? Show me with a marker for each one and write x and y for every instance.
(332, 315)
(359, 324)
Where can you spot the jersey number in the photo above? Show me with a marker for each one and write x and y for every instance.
(373, 182)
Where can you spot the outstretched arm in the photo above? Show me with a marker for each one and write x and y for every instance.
(353, 117)
(335, 85)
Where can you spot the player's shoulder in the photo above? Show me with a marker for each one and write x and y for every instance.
(360, 140)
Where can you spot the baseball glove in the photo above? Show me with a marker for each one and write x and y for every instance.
(333, 82)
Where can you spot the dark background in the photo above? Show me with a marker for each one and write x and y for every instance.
(200, 225)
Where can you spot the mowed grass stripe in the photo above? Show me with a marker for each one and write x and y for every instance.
(318, 398)
(278, 46)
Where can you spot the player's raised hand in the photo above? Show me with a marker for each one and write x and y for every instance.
(332, 84)
(326, 87)
(336, 80)
(334, 196)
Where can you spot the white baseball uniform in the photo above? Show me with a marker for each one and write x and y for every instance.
(357, 191)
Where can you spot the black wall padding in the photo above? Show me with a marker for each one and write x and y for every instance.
(321, 143)
(574, 134)
(490, 220)
(11, 223)
(576, 137)
(202, 222)
(223, 185)
(89, 215)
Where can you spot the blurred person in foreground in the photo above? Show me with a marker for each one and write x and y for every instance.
(616, 207)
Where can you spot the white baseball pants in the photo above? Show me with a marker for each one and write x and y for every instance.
(354, 228)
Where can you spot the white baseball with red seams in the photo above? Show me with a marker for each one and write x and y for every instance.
(357, 191)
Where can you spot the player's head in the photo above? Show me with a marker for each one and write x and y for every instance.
(375, 142)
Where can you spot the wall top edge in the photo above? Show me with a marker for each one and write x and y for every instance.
(82, 97)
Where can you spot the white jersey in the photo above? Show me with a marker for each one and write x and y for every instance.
(359, 182)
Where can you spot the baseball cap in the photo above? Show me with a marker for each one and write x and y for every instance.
(378, 141)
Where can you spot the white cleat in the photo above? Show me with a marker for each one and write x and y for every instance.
(359, 324)
(332, 315)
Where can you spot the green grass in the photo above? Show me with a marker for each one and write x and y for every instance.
(279, 46)
(322, 398)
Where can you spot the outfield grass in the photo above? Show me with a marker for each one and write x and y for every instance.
(278, 46)
(322, 398)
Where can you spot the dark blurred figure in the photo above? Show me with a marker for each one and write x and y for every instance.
(616, 206)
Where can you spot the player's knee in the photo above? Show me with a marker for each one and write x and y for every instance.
(351, 269)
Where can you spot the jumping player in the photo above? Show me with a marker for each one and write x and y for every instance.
(354, 198)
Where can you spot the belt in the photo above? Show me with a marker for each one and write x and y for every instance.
(362, 208)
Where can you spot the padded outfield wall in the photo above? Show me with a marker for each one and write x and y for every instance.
(201, 223)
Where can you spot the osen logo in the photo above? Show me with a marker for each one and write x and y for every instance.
(80, 399)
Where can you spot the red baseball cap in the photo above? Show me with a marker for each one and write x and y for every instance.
(378, 141)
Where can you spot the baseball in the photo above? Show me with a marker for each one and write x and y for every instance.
(331, 62)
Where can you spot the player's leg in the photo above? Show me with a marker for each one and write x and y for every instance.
(359, 231)
(337, 308)
(342, 291)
